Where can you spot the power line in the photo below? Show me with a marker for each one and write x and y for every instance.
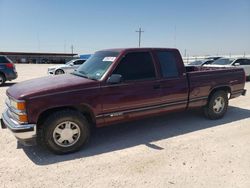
(140, 32)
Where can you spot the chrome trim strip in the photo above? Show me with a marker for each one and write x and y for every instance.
(197, 99)
(114, 114)
(141, 109)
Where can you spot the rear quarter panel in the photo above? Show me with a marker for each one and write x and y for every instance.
(204, 81)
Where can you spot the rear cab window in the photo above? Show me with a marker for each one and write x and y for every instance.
(168, 64)
(136, 66)
(245, 62)
(239, 61)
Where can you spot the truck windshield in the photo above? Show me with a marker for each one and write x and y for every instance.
(96, 66)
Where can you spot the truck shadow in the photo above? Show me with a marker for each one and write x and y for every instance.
(141, 132)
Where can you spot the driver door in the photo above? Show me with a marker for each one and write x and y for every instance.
(136, 94)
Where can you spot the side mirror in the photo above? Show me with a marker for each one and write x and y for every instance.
(115, 79)
(71, 64)
(237, 64)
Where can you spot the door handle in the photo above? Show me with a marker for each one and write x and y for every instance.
(157, 86)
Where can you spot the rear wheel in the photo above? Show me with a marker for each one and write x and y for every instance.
(65, 132)
(217, 105)
(2, 79)
(59, 71)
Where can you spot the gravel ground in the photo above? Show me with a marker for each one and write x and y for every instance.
(166, 151)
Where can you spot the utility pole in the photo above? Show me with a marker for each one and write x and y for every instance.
(140, 32)
(38, 41)
(72, 49)
(175, 36)
(64, 46)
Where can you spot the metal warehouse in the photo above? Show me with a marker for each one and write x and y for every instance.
(38, 58)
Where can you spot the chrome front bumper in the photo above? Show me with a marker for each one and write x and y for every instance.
(22, 132)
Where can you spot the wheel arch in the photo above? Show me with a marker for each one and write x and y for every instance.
(59, 69)
(225, 88)
(2, 73)
(83, 109)
(4, 77)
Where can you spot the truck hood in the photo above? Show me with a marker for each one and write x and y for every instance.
(49, 85)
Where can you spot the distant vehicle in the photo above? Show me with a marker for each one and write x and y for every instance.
(69, 67)
(213, 58)
(201, 62)
(7, 70)
(233, 62)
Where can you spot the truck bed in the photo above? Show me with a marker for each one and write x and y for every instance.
(202, 80)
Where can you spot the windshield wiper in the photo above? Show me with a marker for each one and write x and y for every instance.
(77, 74)
(83, 74)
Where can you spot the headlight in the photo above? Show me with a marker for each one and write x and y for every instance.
(18, 105)
(18, 109)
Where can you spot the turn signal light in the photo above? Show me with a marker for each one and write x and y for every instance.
(23, 118)
(21, 106)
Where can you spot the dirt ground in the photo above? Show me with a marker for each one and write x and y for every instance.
(175, 150)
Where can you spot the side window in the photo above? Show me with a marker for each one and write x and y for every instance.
(168, 64)
(136, 66)
(240, 61)
(208, 62)
(3, 59)
(246, 62)
(79, 62)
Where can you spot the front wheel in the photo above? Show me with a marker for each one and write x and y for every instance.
(65, 132)
(59, 71)
(217, 105)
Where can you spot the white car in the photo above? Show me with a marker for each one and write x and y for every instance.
(233, 62)
(69, 67)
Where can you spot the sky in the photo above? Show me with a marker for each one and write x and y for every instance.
(195, 27)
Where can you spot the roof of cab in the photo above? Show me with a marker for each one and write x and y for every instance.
(136, 49)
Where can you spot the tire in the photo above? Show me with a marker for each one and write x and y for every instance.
(217, 105)
(64, 132)
(2, 79)
(59, 71)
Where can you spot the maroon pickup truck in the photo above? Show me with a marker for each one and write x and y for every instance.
(114, 86)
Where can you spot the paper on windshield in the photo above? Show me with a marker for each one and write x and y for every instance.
(109, 59)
